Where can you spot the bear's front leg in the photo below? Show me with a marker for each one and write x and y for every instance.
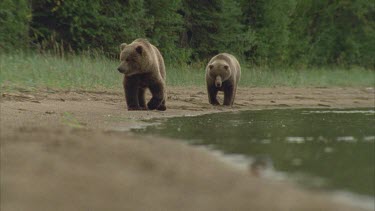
(142, 99)
(131, 93)
(212, 93)
(162, 106)
(228, 95)
(157, 91)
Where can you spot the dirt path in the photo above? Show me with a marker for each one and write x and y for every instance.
(72, 151)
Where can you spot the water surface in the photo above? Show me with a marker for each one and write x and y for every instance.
(336, 146)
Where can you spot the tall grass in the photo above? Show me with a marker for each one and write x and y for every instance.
(72, 71)
(265, 77)
(311, 77)
(93, 72)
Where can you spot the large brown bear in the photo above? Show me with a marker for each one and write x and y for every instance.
(223, 73)
(143, 67)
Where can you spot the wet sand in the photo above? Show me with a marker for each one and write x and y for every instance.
(72, 150)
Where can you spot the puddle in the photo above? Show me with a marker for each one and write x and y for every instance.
(319, 148)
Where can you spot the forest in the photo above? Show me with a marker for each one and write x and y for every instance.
(297, 33)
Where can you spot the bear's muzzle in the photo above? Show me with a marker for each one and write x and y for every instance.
(218, 81)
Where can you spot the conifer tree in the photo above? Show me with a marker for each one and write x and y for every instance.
(167, 25)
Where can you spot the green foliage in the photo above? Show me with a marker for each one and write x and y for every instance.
(233, 37)
(272, 33)
(14, 24)
(88, 24)
(167, 25)
(269, 21)
(273, 37)
(334, 32)
(215, 26)
(202, 18)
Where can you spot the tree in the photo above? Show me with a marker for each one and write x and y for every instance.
(214, 26)
(202, 18)
(15, 16)
(268, 20)
(167, 24)
(84, 24)
(334, 32)
(233, 36)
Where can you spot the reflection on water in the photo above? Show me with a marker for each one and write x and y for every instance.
(334, 145)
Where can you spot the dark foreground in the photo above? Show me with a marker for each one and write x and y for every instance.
(71, 151)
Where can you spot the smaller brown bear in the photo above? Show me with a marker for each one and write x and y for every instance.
(223, 73)
(143, 67)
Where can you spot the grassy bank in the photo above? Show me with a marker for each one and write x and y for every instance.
(97, 72)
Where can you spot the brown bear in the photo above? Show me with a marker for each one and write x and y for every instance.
(223, 73)
(143, 67)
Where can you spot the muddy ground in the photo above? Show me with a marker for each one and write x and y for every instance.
(72, 150)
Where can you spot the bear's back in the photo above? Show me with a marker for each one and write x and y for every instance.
(160, 60)
(154, 55)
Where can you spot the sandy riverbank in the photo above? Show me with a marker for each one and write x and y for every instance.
(64, 150)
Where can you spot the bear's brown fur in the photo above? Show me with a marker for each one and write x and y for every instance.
(143, 67)
(223, 73)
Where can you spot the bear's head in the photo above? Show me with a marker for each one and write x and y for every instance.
(219, 71)
(133, 58)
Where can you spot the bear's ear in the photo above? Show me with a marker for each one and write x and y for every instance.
(122, 46)
(226, 67)
(139, 49)
(210, 66)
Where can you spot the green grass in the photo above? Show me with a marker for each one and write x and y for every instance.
(262, 77)
(31, 70)
(79, 72)
(69, 120)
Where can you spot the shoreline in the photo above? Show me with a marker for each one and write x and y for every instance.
(241, 162)
(65, 146)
